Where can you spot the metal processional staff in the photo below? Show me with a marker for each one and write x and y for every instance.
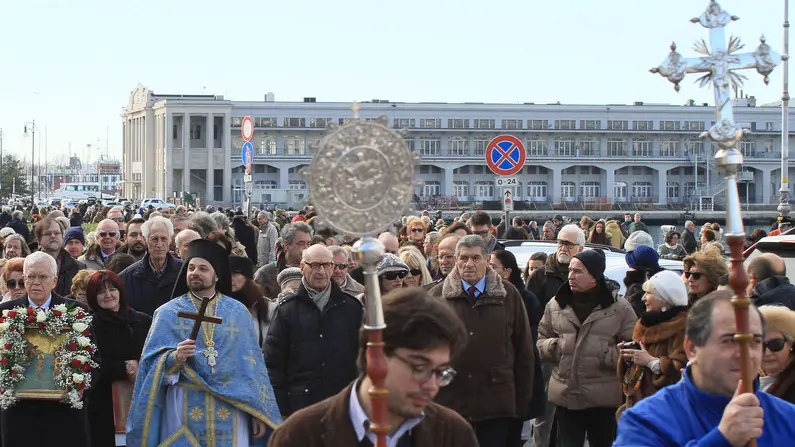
(719, 64)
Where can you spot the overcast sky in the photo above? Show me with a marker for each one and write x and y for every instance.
(72, 65)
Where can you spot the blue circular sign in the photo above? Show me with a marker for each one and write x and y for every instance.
(248, 153)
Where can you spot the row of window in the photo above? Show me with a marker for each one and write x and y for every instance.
(568, 190)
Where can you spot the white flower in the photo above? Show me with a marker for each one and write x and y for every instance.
(83, 341)
(41, 317)
(79, 327)
(82, 358)
(77, 378)
(60, 308)
(5, 312)
(4, 326)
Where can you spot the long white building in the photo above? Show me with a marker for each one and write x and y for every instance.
(576, 154)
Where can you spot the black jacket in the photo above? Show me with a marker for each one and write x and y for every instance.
(634, 280)
(776, 290)
(534, 313)
(120, 338)
(312, 354)
(143, 290)
(5, 218)
(68, 268)
(246, 236)
(76, 220)
(20, 227)
(545, 282)
(689, 241)
(35, 423)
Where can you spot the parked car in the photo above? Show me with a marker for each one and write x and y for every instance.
(156, 203)
(615, 263)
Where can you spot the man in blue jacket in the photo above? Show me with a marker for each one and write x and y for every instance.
(706, 408)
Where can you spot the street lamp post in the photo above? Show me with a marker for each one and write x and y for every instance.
(784, 206)
(31, 127)
(1, 158)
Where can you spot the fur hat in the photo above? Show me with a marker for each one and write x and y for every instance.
(242, 265)
(642, 258)
(668, 286)
(391, 263)
(594, 261)
(638, 238)
(779, 319)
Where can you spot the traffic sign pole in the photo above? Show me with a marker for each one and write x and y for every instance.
(247, 157)
(507, 206)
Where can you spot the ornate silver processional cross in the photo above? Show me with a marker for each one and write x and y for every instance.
(720, 64)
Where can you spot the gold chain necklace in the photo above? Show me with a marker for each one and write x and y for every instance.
(208, 329)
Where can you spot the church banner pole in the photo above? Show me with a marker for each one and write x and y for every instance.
(361, 181)
(718, 66)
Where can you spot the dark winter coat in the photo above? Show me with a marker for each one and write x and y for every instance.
(689, 241)
(246, 236)
(312, 353)
(545, 282)
(120, 337)
(634, 282)
(266, 276)
(143, 290)
(67, 269)
(776, 290)
(20, 227)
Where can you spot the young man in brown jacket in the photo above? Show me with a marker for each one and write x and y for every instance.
(495, 372)
(421, 337)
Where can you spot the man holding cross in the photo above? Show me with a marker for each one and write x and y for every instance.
(202, 379)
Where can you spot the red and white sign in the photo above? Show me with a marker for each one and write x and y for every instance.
(505, 155)
(247, 128)
(507, 200)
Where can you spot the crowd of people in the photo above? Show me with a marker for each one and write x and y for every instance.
(480, 350)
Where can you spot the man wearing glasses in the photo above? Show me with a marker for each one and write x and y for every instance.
(481, 225)
(49, 233)
(312, 341)
(107, 243)
(495, 372)
(421, 338)
(342, 259)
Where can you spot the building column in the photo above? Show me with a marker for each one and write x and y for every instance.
(185, 152)
(610, 181)
(227, 147)
(662, 186)
(554, 184)
(767, 187)
(168, 150)
(284, 177)
(448, 187)
(210, 176)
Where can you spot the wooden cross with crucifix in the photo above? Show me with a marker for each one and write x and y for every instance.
(719, 65)
(199, 318)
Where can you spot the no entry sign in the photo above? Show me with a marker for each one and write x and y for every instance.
(505, 155)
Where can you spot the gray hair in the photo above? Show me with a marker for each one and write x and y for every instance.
(433, 237)
(64, 222)
(689, 223)
(178, 218)
(40, 256)
(288, 232)
(471, 241)
(221, 220)
(17, 215)
(183, 234)
(22, 243)
(146, 228)
(337, 250)
(572, 228)
(7, 231)
(264, 214)
(700, 319)
(202, 223)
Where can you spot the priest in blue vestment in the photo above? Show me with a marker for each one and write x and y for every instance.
(212, 391)
(705, 408)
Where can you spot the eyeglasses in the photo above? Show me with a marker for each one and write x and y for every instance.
(417, 230)
(481, 232)
(37, 278)
(566, 244)
(423, 373)
(319, 265)
(51, 234)
(108, 234)
(696, 275)
(776, 344)
(415, 272)
(342, 266)
(391, 276)
(13, 283)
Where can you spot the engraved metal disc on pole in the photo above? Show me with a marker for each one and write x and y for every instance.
(718, 65)
(361, 180)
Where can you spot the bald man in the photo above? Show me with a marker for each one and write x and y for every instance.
(768, 282)
(446, 256)
(312, 342)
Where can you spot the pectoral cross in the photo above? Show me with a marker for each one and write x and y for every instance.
(719, 65)
(210, 352)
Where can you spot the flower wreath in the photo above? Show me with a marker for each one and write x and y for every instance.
(73, 358)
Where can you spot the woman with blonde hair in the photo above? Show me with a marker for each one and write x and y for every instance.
(778, 369)
(79, 283)
(702, 273)
(418, 272)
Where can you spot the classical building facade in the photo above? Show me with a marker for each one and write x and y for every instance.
(640, 153)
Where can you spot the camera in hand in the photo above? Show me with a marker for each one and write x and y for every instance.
(632, 345)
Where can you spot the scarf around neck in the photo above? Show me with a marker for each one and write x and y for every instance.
(319, 297)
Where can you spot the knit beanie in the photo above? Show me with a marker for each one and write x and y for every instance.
(288, 274)
(74, 233)
(242, 265)
(642, 258)
(391, 263)
(638, 238)
(669, 286)
(594, 261)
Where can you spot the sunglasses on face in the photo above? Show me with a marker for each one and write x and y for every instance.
(776, 344)
(417, 230)
(696, 275)
(391, 276)
(13, 283)
(481, 232)
(109, 234)
(341, 266)
(415, 272)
